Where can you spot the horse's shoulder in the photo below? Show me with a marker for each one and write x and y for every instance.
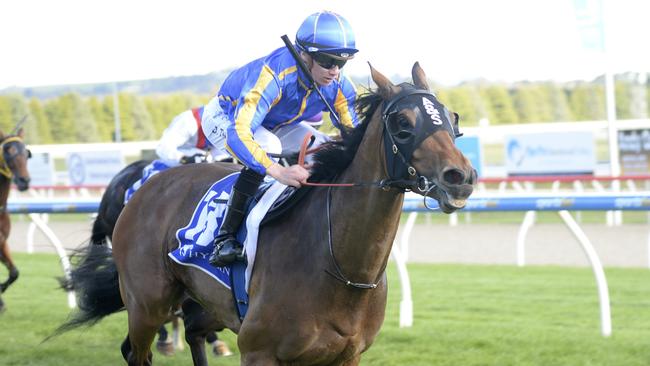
(197, 173)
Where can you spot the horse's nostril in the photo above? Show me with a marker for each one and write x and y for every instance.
(453, 176)
(473, 178)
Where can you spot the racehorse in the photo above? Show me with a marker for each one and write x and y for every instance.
(197, 321)
(13, 167)
(112, 202)
(318, 290)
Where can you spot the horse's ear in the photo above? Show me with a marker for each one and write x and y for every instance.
(20, 132)
(2, 135)
(419, 77)
(386, 88)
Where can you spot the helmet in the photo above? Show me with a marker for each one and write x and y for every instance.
(326, 32)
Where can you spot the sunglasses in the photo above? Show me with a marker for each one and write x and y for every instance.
(327, 62)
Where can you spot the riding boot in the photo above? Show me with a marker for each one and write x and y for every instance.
(227, 249)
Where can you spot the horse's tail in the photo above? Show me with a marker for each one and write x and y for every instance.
(95, 281)
(98, 234)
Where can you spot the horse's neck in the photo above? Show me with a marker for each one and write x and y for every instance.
(5, 185)
(365, 220)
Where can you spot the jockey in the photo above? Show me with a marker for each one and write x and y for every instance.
(183, 140)
(262, 105)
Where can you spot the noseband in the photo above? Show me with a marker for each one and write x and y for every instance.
(401, 138)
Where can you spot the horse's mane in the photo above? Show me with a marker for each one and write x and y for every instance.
(336, 155)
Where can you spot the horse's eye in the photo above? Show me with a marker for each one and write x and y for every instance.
(400, 128)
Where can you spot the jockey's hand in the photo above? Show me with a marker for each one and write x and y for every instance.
(291, 176)
(196, 158)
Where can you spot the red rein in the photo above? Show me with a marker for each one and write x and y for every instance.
(301, 162)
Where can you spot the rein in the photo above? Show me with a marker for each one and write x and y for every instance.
(398, 165)
(384, 184)
(339, 274)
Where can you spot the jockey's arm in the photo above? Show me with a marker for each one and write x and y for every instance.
(344, 104)
(181, 129)
(253, 106)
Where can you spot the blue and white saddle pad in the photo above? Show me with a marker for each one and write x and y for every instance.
(196, 239)
(149, 171)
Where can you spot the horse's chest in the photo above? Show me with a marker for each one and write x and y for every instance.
(327, 348)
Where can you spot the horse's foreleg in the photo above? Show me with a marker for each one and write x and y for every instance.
(5, 257)
(197, 347)
(194, 331)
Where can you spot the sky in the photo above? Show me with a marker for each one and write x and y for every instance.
(47, 42)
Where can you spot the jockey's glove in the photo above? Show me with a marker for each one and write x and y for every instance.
(196, 158)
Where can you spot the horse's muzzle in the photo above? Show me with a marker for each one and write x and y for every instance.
(453, 189)
(22, 183)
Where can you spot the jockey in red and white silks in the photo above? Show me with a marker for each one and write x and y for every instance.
(183, 139)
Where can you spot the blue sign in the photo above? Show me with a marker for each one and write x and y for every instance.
(567, 152)
(471, 148)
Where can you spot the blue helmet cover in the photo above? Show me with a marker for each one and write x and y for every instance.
(326, 32)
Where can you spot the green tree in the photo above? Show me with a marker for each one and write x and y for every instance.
(587, 101)
(59, 112)
(142, 123)
(624, 92)
(6, 116)
(526, 101)
(558, 103)
(499, 104)
(41, 121)
(102, 113)
(16, 110)
(462, 100)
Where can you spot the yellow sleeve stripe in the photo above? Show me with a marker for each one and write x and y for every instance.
(342, 109)
(247, 113)
(287, 71)
(281, 76)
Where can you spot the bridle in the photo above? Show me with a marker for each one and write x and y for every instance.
(401, 139)
(5, 157)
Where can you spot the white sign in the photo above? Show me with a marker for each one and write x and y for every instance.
(550, 153)
(93, 167)
(41, 170)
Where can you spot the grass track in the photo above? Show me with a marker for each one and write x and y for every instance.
(464, 315)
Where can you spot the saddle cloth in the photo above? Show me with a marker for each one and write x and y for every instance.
(196, 239)
(149, 171)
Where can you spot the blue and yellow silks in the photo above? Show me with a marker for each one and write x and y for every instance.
(272, 92)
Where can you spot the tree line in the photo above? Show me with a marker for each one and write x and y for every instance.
(71, 118)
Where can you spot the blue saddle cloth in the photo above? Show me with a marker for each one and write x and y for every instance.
(196, 241)
(148, 171)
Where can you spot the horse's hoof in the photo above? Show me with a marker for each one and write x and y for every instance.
(220, 349)
(165, 348)
(13, 275)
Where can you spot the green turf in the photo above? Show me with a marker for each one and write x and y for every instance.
(464, 315)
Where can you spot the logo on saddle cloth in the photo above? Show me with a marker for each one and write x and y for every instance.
(196, 239)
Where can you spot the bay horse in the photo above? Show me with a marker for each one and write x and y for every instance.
(318, 290)
(83, 275)
(13, 168)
